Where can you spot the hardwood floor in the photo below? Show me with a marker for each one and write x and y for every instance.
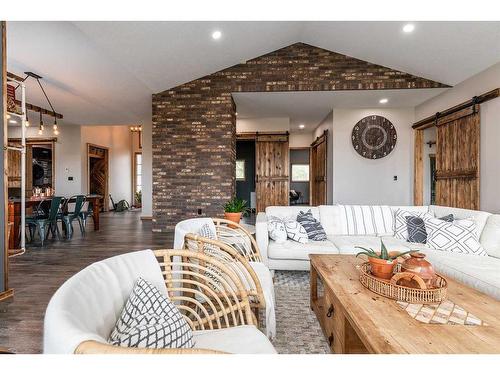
(37, 274)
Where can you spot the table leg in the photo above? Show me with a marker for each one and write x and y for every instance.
(314, 286)
(96, 209)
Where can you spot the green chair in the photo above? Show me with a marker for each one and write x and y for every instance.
(43, 222)
(68, 217)
(86, 212)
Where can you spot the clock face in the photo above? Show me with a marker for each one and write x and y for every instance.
(374, 137)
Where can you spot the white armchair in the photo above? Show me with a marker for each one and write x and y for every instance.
(84, 310)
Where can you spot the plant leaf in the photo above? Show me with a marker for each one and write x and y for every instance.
(401, 254)
(383, 251)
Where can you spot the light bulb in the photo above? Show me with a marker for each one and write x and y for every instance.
(56, 132)
(54, 126)
(27, 123)
(40, 131)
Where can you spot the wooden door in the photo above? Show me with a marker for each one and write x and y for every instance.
(457, 159)
(98, 173)
(272, 180)
(318, 175)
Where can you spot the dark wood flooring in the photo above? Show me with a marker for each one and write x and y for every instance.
(37, 274)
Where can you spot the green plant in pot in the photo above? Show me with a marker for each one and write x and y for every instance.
(235, 208)
(382, 263)
(138, 198)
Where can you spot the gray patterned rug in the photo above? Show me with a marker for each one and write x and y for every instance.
(298, 330)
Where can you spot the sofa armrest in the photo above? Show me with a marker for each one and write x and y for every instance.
(261, 235)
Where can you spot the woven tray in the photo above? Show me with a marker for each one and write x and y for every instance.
(402, 293)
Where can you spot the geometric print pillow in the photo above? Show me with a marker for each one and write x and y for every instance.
(457, 237)
(400, 224)
(150, 320)
(276, 229)
(295, 231)
(312, 226)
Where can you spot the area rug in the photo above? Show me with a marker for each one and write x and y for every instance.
(298, 330)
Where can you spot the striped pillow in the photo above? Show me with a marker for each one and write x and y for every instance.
(367, 220)
(312, 226)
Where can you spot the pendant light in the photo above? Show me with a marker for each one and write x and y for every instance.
(40, 127)
(27, 123)
(54, 127)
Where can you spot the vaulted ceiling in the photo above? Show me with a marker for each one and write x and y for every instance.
(105, 72)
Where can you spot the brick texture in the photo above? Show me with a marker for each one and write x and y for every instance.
(194, 124)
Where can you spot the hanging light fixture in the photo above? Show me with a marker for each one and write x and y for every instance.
(27, 123)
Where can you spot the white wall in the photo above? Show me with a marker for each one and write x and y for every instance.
(327, 124)
(67, 155)
(300, 139)
(262, 124)
(119, 141)
(357, 180)
(490, 128)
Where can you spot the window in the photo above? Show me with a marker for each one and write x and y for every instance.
(300, 172)
(240, 170)
(138, 172)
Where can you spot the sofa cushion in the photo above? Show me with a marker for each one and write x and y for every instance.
(266, 282)
(367, 220)
(490, 238)
(294, 250)
(331, 220)
(150, 320)
(479, 217)
(347, 244)
(403, 245)
(237, 340)
(481, 273)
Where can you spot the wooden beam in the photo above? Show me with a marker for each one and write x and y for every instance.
(418, 171)
(429, 121)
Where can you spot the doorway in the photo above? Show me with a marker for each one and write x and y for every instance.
(299, 176)
(98, 173)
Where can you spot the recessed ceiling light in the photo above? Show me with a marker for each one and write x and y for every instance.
(408, 28)
(383, 101)
(216, 35)
(302, 126)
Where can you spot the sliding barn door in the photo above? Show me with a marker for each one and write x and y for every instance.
(318, 175)
(457, 159)
(272, 185)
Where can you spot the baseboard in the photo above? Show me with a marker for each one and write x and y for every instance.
(146, 217)
(7, 294)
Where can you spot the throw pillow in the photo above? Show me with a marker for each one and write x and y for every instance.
(276, 229)
(312, 226)
(295, 231)
(416, 229)
(457, 237)
(400, 225)
(449, 218)
(367, 220)
(150, 320)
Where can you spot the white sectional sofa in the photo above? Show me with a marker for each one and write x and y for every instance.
(480, 272)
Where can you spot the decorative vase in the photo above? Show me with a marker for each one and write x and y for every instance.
(234, 217)
(382, 268)
(416, 264)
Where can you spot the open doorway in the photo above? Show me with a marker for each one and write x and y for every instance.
(299, 176)
(98, 172)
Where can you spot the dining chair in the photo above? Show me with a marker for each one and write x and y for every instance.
(45, 222)
(68, 216)
(86, 212)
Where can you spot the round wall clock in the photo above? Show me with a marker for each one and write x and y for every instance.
(374, 137)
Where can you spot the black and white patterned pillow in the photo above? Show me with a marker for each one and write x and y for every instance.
(416, 229)
(213, 272)
(150, 320)
(295, 231)
(448, 218)
(276, 229)
(312, 226)
(457, 237)
(400, 225)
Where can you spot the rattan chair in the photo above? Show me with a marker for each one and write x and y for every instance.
(207, 299)
(237, 237)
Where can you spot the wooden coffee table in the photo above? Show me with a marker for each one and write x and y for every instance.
(356, 320)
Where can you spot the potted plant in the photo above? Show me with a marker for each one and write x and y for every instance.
(138, 199)
(234, 209)
(382, 264)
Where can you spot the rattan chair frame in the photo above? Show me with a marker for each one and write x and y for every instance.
(226, 228)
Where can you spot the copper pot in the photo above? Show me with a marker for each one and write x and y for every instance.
(417, 265)
(382, 268)
(234, 217)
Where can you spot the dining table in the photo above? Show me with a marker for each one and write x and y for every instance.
(15, 213)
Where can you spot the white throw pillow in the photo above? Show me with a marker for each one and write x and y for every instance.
(295, 231)
(400, 224)
(150, 320)
(276, 229)
(457, 237)
(367, 220)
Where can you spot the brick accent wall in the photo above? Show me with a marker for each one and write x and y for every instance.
(194, 124)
